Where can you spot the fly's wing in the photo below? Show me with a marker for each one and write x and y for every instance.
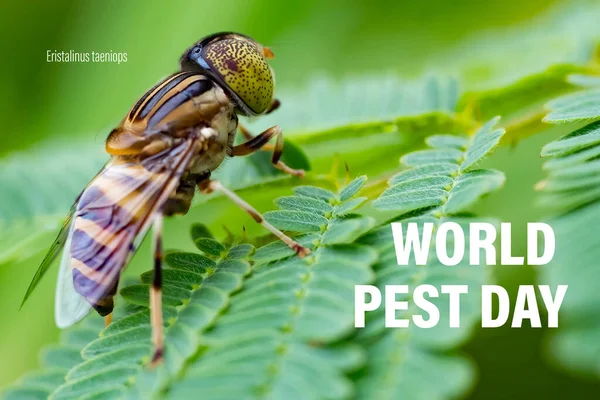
(111, 217)
(70, 305)
(55, 249)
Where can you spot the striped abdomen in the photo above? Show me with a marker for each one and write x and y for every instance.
(112, 216)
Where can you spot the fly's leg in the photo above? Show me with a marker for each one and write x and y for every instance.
(249, 136)
(260, 142)
(156, 317)
(209, 186)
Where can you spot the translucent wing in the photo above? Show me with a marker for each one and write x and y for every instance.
(112, 216)
(55, 249)
(70, 306)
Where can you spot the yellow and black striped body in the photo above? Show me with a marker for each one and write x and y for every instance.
(172, 138)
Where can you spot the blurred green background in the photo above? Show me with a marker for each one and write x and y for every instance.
(484, 45)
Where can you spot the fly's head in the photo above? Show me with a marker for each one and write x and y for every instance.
(239, 65)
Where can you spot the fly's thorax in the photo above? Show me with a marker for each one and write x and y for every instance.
(171, 100)
(173, 108)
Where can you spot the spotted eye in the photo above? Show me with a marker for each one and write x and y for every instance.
(239, 64)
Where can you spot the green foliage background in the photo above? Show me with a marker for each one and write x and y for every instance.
(360, 83)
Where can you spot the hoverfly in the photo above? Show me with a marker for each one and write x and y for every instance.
(167, 145)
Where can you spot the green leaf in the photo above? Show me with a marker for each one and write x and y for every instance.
(571, 181)
(471, 186)
(139, 295)
(315, 193)
(189, 261)
(200, 231)
(240, 251)
(583, 105)
(349, 206)
(346, 231)
(482, 143)
(408, 196)
(278, 250)
(295, 221)
(571, 193)
(441, 169)
(292, 371)
(447, 141)
(210, 246)
(353, 188)
(304, 204)
(442, 180)
(574, 107)
(583, 138)
(181, 278)
(576, 341)
(432, 156)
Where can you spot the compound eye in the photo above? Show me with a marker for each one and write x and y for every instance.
(241, 65)
(196, 50)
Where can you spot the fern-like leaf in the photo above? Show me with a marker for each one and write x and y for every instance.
(273, 341)
(442, 177)
(580, 106)
(571, 191)
(441, 183)
(195, 288)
